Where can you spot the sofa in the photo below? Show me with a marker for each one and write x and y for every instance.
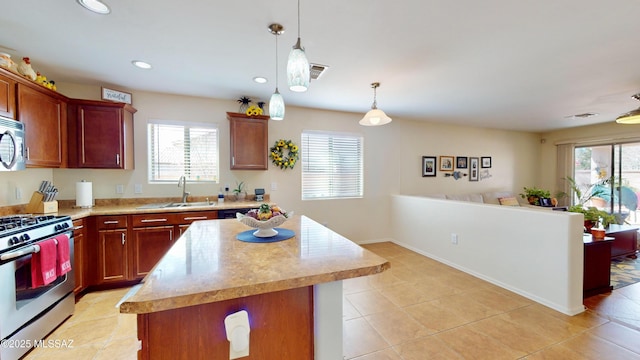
(494, 197)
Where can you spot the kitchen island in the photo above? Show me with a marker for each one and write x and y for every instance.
(291, 289)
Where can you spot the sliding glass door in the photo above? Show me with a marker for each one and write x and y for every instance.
(609, 176)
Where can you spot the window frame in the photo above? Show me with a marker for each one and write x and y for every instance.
(184, 125)
(332, 195)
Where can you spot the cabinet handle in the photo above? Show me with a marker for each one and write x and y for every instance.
(79, 227)
(28, 154)
(152, 220)
(117, 159)
(111, 222)
(195, 218)
(122, 238)
(233, 160)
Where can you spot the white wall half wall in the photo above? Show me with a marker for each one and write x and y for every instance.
(535, 253)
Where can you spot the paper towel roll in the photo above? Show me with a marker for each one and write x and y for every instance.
(84, 194)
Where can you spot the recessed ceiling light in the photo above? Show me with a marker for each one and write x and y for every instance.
(141, 64)
(260, 79)
(96, 6)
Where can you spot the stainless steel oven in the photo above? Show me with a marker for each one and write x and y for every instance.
(28, 314)
(12, 145)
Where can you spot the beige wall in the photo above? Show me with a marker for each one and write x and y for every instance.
(393, 155)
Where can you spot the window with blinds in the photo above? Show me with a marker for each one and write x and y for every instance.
(177, 149)
(332, 165)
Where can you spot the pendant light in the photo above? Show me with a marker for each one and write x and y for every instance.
(276, 103)
(632, 117)
(375, 116)
(298, 71)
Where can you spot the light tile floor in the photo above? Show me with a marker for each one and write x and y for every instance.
(420, 309)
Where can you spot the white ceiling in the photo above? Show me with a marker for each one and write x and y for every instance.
(522, 65)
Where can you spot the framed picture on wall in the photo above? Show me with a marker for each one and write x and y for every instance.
(461, 162)
(486, 162)
(446, 163)
(428, 166)
(474, 167)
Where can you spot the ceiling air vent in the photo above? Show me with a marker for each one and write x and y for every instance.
(581, 116)
(317, 70)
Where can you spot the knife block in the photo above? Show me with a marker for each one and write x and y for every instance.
(37, 206)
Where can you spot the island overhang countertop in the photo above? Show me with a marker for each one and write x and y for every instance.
(208, 264)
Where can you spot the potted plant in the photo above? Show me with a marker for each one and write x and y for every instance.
(533, 195)
(593, 216)
(587, 192)
(239, 191)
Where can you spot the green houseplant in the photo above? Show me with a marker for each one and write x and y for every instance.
(239, 191)
(593, 216)
(533, 195)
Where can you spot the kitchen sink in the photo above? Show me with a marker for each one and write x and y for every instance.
(177, 205)
(191, 204)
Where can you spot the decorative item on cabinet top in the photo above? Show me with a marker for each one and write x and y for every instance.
(116, 96)
(25, 69)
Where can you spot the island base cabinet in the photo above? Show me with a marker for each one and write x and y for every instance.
(281, 328)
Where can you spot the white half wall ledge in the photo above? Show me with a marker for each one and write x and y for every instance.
(536, 254)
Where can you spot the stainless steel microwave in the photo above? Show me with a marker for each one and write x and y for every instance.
(12, 145)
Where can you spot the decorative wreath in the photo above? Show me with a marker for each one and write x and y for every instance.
(278, 157)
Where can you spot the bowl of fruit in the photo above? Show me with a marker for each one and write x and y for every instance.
(265, 219)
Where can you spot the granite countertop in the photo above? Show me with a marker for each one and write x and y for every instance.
(134, 208)
(208, 264)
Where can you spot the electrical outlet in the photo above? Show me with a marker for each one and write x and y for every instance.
(18, 193)
(137, 188)
(119, 189)
(274, 186)
(454, 239)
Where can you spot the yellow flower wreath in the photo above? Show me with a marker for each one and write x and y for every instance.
(278, 158)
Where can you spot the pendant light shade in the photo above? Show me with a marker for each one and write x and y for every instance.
(632, 117)
(276, 103)
(298, 70)
(276, 106)
(375, 116)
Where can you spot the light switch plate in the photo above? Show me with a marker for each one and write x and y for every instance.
(119, 189)
(137, 188)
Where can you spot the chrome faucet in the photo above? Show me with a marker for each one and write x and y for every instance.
(185, 193)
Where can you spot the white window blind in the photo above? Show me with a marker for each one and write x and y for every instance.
(331, 165)
(177, 149)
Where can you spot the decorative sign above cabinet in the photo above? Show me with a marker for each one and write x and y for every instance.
(116, 95)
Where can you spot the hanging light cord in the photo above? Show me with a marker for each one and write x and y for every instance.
(375, 103)
(298, 19)
(277, 61)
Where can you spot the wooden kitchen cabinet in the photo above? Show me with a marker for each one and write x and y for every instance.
(183, 220)
(150, 245)
(44, 115)
(7, 97)
(154, 234)
(113, 254)
(249, 136)
(100, 135)
(80, 257)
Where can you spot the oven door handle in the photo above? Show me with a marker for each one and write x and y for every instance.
(26, 251)
(19, 253)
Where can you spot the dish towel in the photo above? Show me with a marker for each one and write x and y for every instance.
(63, 265)
(43, 264)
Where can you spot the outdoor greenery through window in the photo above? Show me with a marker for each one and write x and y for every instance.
(332, 165)
(178, 148)
(619, 162)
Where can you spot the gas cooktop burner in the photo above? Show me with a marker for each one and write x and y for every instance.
(18, 221)
(24, 228)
